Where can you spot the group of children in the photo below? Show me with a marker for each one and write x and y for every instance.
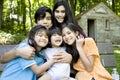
(53, 36)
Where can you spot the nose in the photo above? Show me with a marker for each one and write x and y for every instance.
(65, 37)
(44, 38)
(59, 13)
(44, 21)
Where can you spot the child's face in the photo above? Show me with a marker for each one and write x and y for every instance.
(56, 40)
(41, 38)
(69, 36)
(60, 14)
(46, 21)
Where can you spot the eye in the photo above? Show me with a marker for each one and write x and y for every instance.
(46, 36)
(40, 35)
(48, 18)
(63, 35)
(57, 11)
(68, 32)
(63, 11)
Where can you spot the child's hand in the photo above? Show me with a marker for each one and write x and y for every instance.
(27, 52)
(63, 56)
(79, 42)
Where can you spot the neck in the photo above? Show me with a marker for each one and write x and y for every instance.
(39, 48)
(74, 44)
(55, 46)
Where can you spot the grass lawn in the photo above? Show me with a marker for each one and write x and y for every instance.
(117, 57)
(0, 72)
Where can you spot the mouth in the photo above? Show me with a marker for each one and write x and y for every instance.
(60, 19)
(58, 40)
(68, 40)
(41, 41)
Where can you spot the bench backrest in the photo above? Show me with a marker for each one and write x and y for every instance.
(3, 49)
(107, 54)
(105, 50)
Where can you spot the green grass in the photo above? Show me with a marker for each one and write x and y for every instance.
(0, 72)
(117, 57)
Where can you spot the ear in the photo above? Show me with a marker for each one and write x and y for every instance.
(30, 42)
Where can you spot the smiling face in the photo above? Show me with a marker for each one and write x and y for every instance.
(69, 36)
(46, 21)
(41, 38)
(60, 14)
(56, 40)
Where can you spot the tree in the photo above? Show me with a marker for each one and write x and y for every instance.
(1, 9)
(30, 12)
(24, 10)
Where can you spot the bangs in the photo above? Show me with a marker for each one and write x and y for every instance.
(42, 32)
(55, 31)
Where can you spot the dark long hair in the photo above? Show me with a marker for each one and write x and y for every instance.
(31, 36)
(69, 17)
(67, 11)
(72, 48)
(41, 13)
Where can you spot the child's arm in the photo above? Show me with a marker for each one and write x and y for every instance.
(38, 70)
(46, 76)
(63, 56)
(20, 52)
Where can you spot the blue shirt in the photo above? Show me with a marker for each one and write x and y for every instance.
(19, 68)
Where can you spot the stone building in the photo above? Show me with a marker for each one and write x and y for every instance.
(101, 23)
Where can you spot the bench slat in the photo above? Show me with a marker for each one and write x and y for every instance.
(107, 54)
(105, 48)
(108, 60)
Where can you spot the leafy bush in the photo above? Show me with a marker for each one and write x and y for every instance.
(7, 38)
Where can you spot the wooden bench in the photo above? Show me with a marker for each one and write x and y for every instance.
(107, 54)
(3, 49)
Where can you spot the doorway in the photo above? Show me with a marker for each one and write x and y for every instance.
(91, 28)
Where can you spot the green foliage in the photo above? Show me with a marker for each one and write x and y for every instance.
(0, 72)
(117, 57)
(17, 38)
(7, 38)
(18, 16)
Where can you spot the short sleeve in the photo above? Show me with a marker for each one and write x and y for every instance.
(25, 63)
(90, 47)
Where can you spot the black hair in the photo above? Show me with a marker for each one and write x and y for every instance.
(67, 11)
(72, 48)
(54, 30)
(69, 17)
(41, 13)
(32, 34)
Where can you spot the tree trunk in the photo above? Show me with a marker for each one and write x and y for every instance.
(1, 8)
(73, 6)
(30, 13)
(113, 5)
(24, 15)
(56, 1)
